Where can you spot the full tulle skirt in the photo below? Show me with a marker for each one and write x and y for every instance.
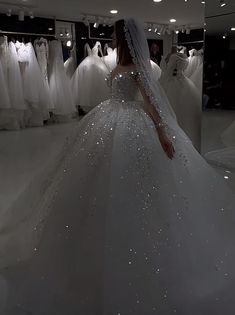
(122, 229)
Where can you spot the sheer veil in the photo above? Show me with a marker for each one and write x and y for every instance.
(138, 45)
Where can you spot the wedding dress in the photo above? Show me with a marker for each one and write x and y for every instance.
(195, 60)
(111, 58)
(184, 97)
(35, 93)
(60, 89)
(125, 229)
(90, 76)
(15, 84)
(71, 63)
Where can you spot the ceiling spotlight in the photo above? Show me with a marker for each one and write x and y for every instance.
(224, 36)
(157, 0)
(150, 29)
(21, 15)
(31, 15)
(96, 25)
(69, 43)
(50, 28)
(9, 11)
(203, 2)
(177, 31)
(172, 20)
(222, 3)
(233, 29)
(113, 11)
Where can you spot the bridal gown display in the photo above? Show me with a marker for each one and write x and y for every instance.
(90, 76)
(60, 88)
(15, 85)
(123, 229)
(71, 63)
(195, 60)
(42, 52)
(35, 93)
(111, 58)
(5, 105)
(184, 97)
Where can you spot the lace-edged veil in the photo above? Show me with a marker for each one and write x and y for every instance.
(138, 46)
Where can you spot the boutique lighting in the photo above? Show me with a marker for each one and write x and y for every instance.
(114, 11)
(69, 43)
(233, 29)
(21, 15)
(157, 0)
(31, 15)
(222, 3)
(172, 20)
(9, 11)
(203, 2)
(96, 25)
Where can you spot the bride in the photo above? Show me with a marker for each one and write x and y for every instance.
(134, 221)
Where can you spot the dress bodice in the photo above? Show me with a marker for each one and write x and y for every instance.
(124, 86)
(177, 65)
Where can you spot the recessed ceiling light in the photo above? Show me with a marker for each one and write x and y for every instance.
(172, 20)
(222, 3)
(157, 0)
(113, 11)
(232, 28)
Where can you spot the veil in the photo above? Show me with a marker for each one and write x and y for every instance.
(138, 46)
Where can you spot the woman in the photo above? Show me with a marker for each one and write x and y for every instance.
(139, 224)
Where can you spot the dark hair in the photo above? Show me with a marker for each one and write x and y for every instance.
(123, 52)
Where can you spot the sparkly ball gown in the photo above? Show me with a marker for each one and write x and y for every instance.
(123, 229)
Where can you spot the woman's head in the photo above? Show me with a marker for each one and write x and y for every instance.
(120, 42)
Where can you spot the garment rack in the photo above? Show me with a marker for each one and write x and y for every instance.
(193, 42)
(29, 34)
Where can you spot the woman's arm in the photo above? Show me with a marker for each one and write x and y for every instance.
(159, 124)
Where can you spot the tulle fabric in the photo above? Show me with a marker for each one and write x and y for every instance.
(111, 59)
(184, 98)
(228, 135)
(129, 230)
(60, 88)
(90, 76)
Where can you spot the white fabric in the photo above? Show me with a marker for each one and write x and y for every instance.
(195, 60)
(71, 63)
(228, 135)
(60, 89)
(156, 70)
(111, 58)
(15, 80)
(224, 158)
(184, 97)
(127, 225)
(89, 80)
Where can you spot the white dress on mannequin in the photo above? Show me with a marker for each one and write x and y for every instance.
(111, 58)
(35, 93)
(184, 97)
(90, 76)
(71, 63)
(130, 231)
(156, 69)
(59, 83)
(15, 84)
(195, 60)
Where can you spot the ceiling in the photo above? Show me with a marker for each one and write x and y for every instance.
(220, 20)
(191, 12)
